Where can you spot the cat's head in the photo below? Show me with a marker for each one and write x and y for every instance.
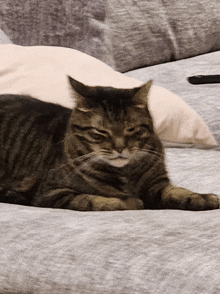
(113, 123)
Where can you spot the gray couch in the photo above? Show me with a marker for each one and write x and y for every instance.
(48, 251)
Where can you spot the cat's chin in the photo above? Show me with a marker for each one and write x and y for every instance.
(119, 162)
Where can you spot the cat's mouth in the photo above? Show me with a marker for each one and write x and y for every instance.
(119, 161)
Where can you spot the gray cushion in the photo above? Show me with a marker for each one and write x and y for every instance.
(124, 34)
(150, 32)
(78, 24)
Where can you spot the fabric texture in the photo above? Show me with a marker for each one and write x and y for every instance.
(124, 34)
(42, 73)
(151, 32)
(52, 251)
(78, 24)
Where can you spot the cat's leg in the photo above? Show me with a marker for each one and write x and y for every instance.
(67, 198)
(100, 203)
(18, 191)
(13, 197)
(179, 198)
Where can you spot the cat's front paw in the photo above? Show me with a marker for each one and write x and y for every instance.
(85, 202)
(205, 201)
(180, 198)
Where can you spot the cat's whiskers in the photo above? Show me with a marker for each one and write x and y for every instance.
(84, 165)
(144, 153)
(133, 152)
(62, 141)
(139, 150)
(72, 162)
(153, 152)
(105, 151)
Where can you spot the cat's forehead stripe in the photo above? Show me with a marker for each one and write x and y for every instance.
(110, 94)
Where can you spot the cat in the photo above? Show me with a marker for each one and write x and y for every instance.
(101, 155)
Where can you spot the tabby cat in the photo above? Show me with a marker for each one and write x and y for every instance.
(102, 155)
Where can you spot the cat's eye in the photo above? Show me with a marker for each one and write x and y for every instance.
(90, 134)
(131, 129)
(95, 136)
(135, 130)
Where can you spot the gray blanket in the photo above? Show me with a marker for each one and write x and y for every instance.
(55, 251)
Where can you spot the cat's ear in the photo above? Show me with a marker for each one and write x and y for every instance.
(81, 93)
(82, 89)
(141, 97)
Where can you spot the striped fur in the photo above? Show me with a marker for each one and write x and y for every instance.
(102, 155)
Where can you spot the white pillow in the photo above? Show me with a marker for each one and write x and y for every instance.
(42, 71)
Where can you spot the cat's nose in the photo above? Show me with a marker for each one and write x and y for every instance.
(119, 150)
(119, 144)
